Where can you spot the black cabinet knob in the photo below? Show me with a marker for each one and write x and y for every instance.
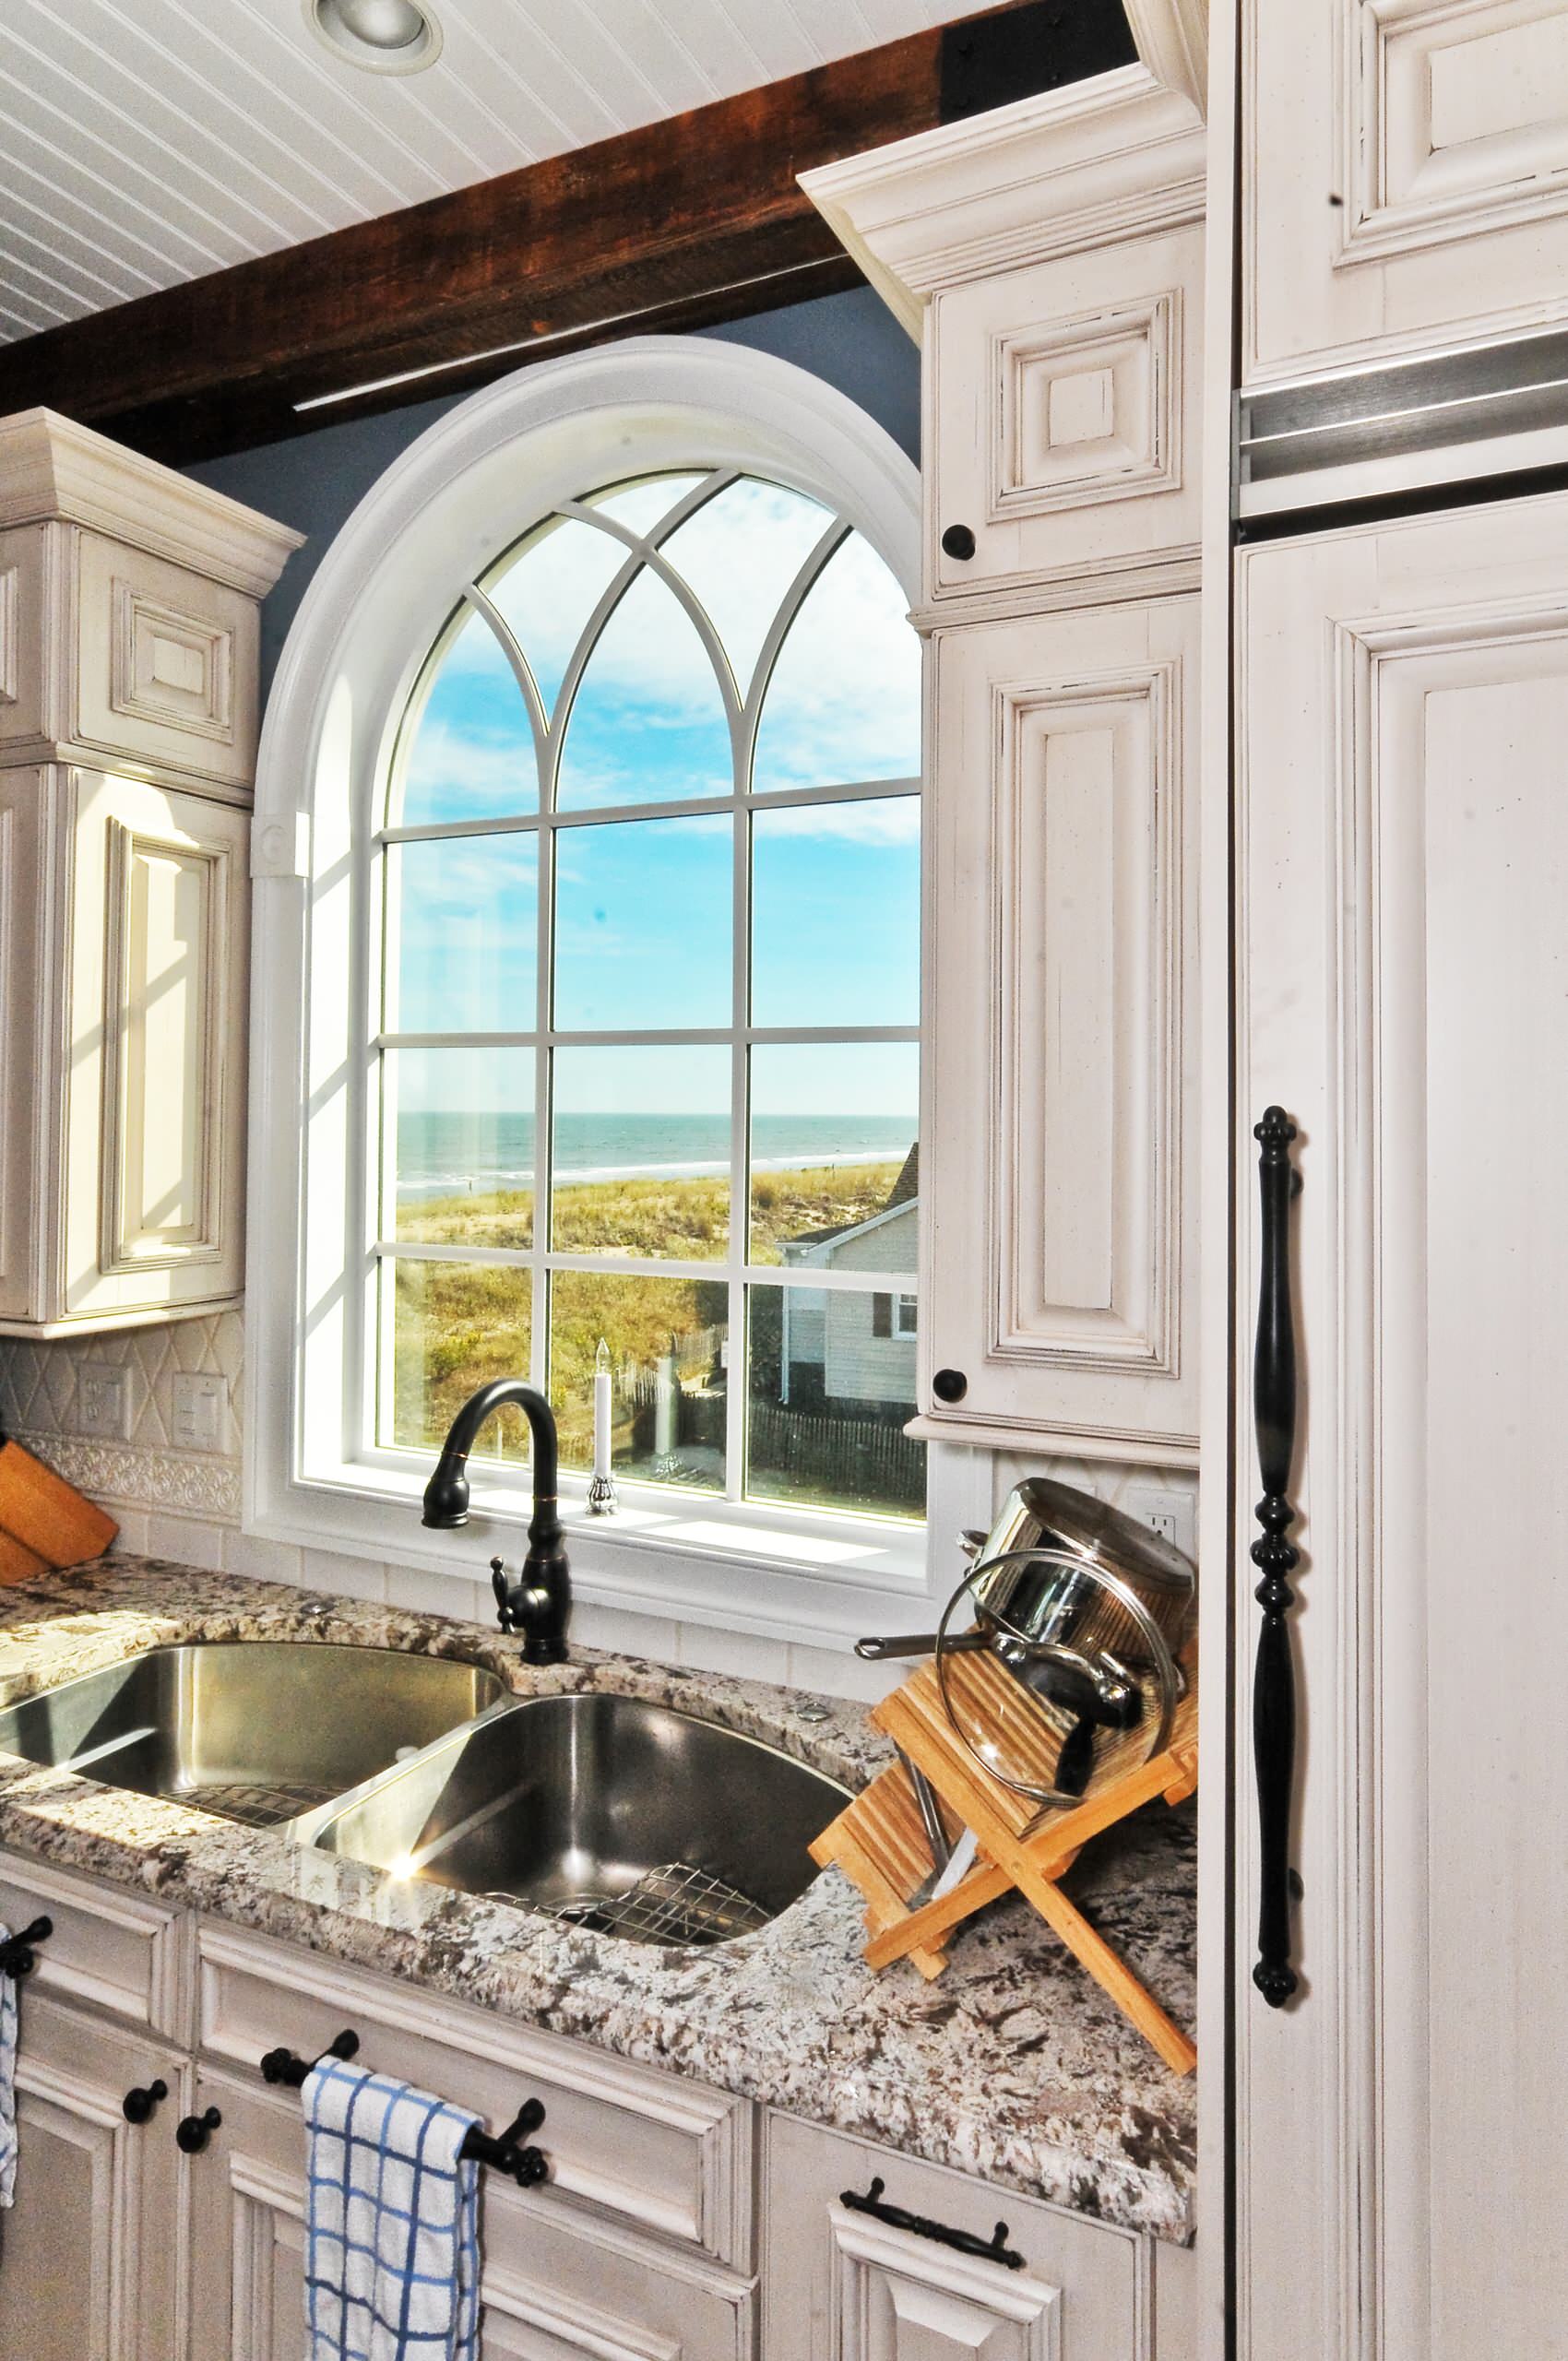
(138, 2104)
(949, 1385)
(192, 2131)
(959, 542)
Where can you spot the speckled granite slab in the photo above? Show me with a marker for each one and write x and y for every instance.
(1013, 2065)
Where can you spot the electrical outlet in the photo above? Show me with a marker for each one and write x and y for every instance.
(103, 1401)
(1174, 1515)
(200, 1397)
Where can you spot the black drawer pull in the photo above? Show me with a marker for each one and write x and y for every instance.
(281, 2066)
(137, 2104)
(192, 2131)
(949, 1385)
(959, 542)
(992, 2249)
(16, 1954)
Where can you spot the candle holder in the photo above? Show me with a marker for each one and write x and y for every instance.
(601, 1499)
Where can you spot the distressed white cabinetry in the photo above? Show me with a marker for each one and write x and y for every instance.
(127, 741)
(840, 2285)
(1402, 866)
(1403, 178)
(91, 2264)
(1049, 256)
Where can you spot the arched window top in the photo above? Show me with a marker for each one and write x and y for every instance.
(675, 637)
(604, 712)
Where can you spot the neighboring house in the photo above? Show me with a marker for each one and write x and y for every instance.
(856, 1349)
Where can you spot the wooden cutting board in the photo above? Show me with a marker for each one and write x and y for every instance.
(45, 1522)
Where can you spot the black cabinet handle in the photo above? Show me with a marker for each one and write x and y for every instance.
(1274, 1678)
(16, 1953)
(959, 542)
(138, 2104)
(192, 2131)
(281, 2066)
(992, 2249)
(949, 1385)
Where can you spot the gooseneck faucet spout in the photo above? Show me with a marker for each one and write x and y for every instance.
(540, 1605)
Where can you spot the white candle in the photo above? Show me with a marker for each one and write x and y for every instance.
(601, 1409)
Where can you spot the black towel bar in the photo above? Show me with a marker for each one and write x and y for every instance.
(506, 2153)
(17, 1955)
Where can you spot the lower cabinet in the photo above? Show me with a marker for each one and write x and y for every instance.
(124, 2245)
(91, 2253)
(842, 2283)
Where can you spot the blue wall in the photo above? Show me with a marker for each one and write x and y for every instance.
(316, 481)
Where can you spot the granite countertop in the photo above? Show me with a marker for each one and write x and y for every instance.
(1013, 2065)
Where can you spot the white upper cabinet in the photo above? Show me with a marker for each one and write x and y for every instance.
(1403, 178)
(128, 692)
(1049, 257)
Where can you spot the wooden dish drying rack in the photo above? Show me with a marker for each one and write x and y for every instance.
(880, 1842)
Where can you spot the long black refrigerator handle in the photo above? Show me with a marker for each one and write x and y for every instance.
(1274, 1679)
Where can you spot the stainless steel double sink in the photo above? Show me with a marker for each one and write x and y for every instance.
(605, 1810)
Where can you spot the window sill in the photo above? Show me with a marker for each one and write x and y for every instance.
(821, 1579)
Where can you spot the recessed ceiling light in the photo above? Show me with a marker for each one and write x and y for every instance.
(384, 36)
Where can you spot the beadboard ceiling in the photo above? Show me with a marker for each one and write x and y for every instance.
(146, 142)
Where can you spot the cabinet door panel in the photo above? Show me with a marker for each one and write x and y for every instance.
(1402, 2151)
(1061, 1093)
(89, 2251)
(1405, 177)
(840, 2285)
(29, 1055)
(157, 1084)
(1064, 403)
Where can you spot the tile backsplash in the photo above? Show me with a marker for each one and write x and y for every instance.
(185, 1504)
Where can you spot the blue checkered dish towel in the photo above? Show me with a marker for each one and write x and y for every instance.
(7, 2083)
(392, 2222)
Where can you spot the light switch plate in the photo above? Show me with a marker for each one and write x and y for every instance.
(105, 1401)
(200, 1399)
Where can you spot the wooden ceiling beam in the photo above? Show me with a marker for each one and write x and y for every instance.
(680, 224)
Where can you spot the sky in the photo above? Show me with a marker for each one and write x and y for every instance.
(644, 906)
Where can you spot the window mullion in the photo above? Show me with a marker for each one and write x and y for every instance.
(543, 1145)
(740, 1145)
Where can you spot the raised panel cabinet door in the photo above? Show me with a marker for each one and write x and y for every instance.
(838, 2285)
(1403, 178)
(156, 1122)
(91, 2251)
(166, 664)
(248, 2214)
(1401, 2135)
(29, 1043)
(1060, 1079)
(1062, 402)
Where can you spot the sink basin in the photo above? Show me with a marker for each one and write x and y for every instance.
(256, 1730)
(607, 1811)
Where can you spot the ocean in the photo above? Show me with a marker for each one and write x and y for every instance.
(443, 1154)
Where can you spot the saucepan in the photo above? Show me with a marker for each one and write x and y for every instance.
(1089, 1610)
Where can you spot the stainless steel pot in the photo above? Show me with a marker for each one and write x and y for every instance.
(1089, 1611)
(1050, 1602)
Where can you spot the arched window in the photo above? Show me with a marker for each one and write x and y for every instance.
(627, 925)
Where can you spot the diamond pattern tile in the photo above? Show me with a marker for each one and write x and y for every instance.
(38, 1381)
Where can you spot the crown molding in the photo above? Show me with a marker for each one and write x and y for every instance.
(1069, 170)
(54, 471)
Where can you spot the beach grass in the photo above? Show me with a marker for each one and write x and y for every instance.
(459, 1325)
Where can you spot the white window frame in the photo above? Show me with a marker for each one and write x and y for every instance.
(437, 519)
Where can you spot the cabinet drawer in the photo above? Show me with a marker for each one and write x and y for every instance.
(110, 1948)
(669, 2156)
(553, 2289)
(840, 2285)
(1063, 409)
(167, 664)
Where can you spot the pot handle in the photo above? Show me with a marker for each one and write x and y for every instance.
(1274, 1677)
(916, 1643)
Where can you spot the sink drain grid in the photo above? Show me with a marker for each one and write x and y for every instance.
(674, 1904)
